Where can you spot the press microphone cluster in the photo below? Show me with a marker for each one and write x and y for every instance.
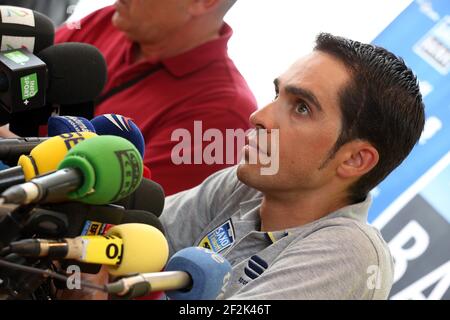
(78, 195)
(117, 250)
(191, 274)
(94, 190)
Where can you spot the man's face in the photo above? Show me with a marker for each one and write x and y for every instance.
(150, 21)
(307, 114)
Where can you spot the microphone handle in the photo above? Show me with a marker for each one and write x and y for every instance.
(12, 149)
(52, 187)
(143, 284)
(57, 185)
(11, 177)
(168, 280)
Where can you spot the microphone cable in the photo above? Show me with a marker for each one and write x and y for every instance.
(49, 274)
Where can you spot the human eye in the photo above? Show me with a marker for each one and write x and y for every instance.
(302, 108)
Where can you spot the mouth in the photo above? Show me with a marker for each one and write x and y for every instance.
(251, 142)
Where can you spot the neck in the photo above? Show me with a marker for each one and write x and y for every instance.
(175, 44)
(280, 212)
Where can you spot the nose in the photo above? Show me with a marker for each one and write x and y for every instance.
(264, 118)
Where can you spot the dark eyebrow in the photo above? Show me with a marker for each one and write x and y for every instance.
(301, 92)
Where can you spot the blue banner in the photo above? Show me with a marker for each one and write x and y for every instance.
(412, 206)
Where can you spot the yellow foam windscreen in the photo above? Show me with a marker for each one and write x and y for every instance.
(46, 156)
(145, 249)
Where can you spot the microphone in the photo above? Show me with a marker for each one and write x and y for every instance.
(117, 250)
(69, 66)
(12, 149)
(25, 28)
(149, 196)
(100, 170)
(120, 126)
(193, 273)
(44, 158)
(117, 125)
(65, 124)
(77, 72)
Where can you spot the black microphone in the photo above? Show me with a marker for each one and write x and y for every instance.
(25, 28)
(149, 196)
(76, 76)
(94, 69)
(77, 72)
(12, 149)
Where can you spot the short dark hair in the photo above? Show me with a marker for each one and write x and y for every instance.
(382, 104)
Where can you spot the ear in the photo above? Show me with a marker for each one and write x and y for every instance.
(359, 157)
(199, 7)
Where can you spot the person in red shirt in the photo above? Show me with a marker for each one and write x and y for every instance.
(178, 51)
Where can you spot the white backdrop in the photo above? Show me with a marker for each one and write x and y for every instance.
(269, 35)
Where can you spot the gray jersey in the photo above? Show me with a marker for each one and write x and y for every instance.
(336, 257)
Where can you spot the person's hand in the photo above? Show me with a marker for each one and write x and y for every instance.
(6, 133)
